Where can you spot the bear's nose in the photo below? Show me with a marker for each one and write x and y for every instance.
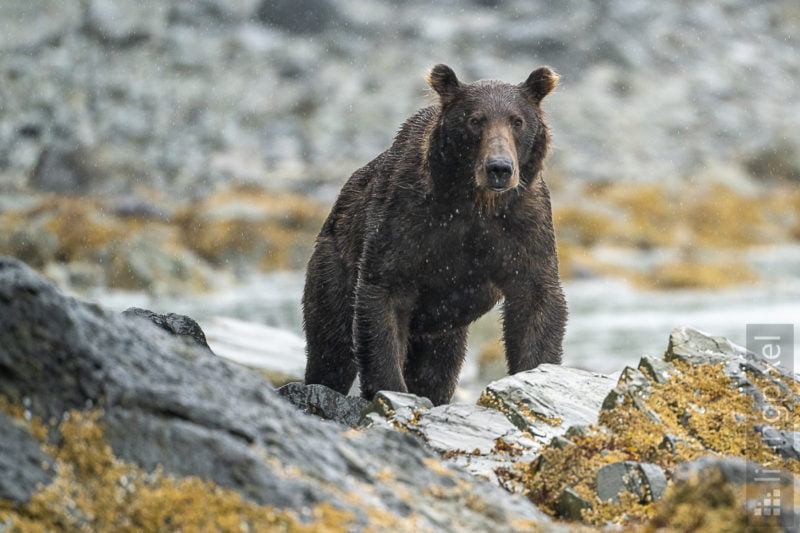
(499, 170)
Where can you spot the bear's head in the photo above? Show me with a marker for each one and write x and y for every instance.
(490, 133)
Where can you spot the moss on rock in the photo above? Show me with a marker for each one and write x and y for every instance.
(700, 412)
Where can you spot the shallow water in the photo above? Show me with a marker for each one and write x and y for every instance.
(611, 323)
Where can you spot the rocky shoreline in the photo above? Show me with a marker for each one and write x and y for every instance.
(116, 422)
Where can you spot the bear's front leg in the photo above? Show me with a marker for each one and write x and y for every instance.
(534, 318)
(380, 340)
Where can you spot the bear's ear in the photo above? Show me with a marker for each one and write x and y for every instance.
(539, 84)
(443, 80)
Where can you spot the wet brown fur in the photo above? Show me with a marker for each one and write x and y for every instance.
(417, 247)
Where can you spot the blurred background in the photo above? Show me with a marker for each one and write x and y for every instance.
(181, 155)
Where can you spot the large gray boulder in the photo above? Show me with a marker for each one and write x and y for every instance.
(169, 403)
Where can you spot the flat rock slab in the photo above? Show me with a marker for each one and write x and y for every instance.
(549, 399)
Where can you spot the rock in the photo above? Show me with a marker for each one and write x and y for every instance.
(695, 411)
(767, 492)
(547, 400)
(324, 402)
(164, 127)
(733, 470)
(657, 369)
(561, 442)
(570, 504)
(785, 443)
(633, 386)
(463, 428)
(397, 406)
(642, 479)
(28, 24)
(653, 480)
(480, 439)
(125, 22)
(730, 481)
(697, 348)
(25, 467)
(577, 431)
(161, 396)
(180, 325)
(62, 168)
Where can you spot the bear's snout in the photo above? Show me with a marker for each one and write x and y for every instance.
(499, 171)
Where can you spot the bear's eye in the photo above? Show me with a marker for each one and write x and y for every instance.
(517, 122)
(474, 122)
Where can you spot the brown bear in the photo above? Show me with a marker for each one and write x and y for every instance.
(429, 236)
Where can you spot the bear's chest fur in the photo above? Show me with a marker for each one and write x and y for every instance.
(449, 265)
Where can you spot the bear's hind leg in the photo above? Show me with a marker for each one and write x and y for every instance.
(434, 363)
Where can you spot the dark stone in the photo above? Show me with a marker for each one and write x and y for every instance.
(22, 462)
(642, 479)
(655, 482)
(324, 402)
(570, 504)
(30, 24)
(179, 325)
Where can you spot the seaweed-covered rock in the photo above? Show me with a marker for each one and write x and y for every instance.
(785, 443)
(633, 386)
(571, 505)
(713, 403)
(170, 406)
(657, 370)
(697, 348)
